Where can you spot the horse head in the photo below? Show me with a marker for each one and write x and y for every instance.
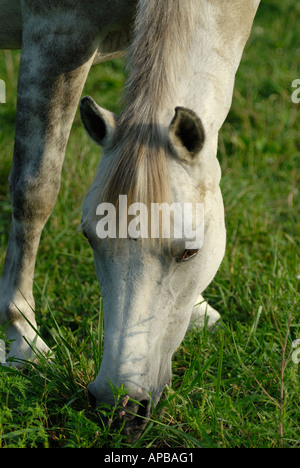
(150, 286)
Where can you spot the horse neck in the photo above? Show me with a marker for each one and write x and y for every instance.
(213, 58)
(186, 54)
(159, 47)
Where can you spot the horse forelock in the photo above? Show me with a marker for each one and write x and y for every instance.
(138, 166)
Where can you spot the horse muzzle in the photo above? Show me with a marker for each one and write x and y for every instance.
(131, 412)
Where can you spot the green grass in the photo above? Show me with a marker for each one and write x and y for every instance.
(238, 387)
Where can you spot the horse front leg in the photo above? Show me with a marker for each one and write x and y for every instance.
(51, 80)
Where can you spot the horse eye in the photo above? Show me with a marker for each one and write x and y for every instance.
(188, 254)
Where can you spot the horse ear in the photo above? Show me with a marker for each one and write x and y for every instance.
(186, 133)
(99, 123)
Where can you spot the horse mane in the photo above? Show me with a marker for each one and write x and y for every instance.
(155, 60)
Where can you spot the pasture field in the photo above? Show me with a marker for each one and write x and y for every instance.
(236, 387)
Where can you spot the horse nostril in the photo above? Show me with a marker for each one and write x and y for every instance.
(136, 418)
(143, 412)
(137, 413)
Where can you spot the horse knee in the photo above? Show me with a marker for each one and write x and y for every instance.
(10, 310)
(33, 198)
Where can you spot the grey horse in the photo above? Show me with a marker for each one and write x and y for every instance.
(183, 56)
